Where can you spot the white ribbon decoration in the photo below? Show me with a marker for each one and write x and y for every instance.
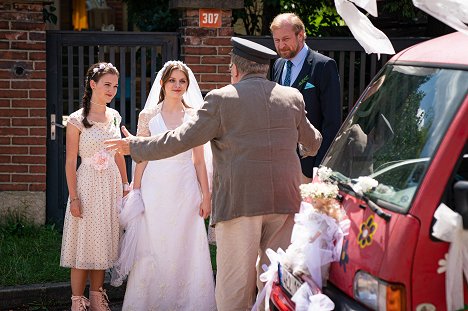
(305, 300)
(449, 228)
(453, 13)
(369, 37)
(268, 277)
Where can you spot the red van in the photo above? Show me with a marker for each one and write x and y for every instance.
(408, 131)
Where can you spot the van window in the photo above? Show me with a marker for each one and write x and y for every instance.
(394, 130)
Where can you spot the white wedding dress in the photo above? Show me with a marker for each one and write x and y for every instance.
(173, 271)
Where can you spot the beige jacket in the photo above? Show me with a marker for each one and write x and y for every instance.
(254, 127)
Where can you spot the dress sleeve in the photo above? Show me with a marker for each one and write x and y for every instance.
(143, 123)
(76, 119)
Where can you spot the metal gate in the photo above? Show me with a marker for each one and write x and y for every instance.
(137, 56)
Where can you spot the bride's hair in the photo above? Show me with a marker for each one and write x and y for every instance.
(167, 74)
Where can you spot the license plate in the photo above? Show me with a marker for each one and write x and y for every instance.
(289, 282)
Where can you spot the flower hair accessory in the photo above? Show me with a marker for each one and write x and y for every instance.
(101, 160)
(103, 66)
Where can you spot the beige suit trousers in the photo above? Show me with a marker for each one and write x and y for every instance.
(241, 245)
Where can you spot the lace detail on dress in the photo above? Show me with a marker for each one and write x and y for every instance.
(76, 118)
(143, 120)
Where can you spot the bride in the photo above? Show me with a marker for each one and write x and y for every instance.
(174, 272)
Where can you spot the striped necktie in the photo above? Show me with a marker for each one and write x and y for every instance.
(287, 79)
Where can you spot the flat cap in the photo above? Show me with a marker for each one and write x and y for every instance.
(252, 51)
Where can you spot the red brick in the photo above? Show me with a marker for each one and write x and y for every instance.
(201, 32)
(7, 64)
(215, 60)
(14, 94)
(28, 103)
(14, 150)
(215, 78)
(4, 25)
(28, 140)
(13, 187)
(37, 36)
(4, 178)
(27, 26)
(224, 50)
(37, 113)
(13, 35)
(18, 45)
(191, 13)
(5, 103)
(29, 159)
(4, 84)
(6, 74)
(38, 187)
(192, 40)
(38, 150)
(37, 55)
(206, 86)
(29, 7)
(28, 122)
(192, 59)
(5, 141)
(37, 74)
(203, 68)
(14, 112)
(13, 55)
(218, 42)
(5, 121)
(40, 66)
(227, 32)
(38, 131)
(198, 50)
(5, 159)
(4, 131)
(37, 94)
(25, 178)
(28, 84)
(37, 169)
(13, 168)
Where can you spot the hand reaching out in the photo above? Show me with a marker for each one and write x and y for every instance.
(121, 146)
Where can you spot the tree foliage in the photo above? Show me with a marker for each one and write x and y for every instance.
(152, 15)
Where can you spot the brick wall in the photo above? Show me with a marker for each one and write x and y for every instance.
(206, 50)
(22, 108)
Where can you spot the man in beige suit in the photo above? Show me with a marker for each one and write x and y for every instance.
(254, 126)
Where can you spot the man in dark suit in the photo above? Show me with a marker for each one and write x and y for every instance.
(314, 75)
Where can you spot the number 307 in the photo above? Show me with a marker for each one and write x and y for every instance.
(210, 18)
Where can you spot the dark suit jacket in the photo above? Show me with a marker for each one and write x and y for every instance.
(319, 83)
(254, 127)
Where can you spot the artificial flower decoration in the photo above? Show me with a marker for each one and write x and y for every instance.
(364, 184)
(324, 173)
(366, 232)
(101, 160)
(344, 258)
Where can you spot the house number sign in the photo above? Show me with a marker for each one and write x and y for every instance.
(210, 18)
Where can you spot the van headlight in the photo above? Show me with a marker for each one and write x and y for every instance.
(377, 294)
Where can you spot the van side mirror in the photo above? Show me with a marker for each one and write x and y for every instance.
(460, 190)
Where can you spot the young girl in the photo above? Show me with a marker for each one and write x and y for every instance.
(91, 229)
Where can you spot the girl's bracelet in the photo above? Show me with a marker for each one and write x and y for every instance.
(126, 186)
(74, 199)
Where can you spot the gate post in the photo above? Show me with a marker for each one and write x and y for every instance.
(23, 110)
(206, 31)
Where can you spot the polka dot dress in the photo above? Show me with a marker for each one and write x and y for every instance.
(91, 242)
